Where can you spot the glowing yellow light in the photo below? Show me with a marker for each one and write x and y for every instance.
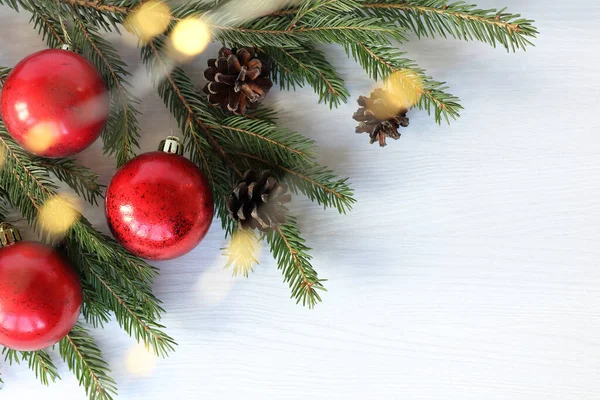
(405, 88)
(140, 361)
(41, 137)
(190, 37)
(150, 19)
(2, 156)
(243, 252)
(57, 215)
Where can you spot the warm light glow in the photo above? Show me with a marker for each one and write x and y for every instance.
(2, 156)
(41, 137)
(140, 361)
(243, 252)
(22, 111)
(190, 37)
(57, 215)
(214, 285)
(150, 19)
(405, 88)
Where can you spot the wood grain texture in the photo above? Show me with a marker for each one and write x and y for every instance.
(468, 270)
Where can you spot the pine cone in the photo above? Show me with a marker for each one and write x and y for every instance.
(258, 203)
(379, 117)
(238, 80)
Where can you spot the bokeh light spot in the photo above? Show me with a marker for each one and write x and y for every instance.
(2, 157)
(41, 137)
(405, 88)
(140, 360)
(190, 37)
(57, 215)
(150, 19)
(243, 252)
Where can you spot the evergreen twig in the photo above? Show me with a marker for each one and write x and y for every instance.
(121, 133)
(457, 19)
(291, 253)
(40, 362)
(292, 67)
(380, 62)
(81, 179)
(84, 358)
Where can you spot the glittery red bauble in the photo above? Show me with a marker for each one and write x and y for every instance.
(40, 296)
(54, 103)
(159, 206)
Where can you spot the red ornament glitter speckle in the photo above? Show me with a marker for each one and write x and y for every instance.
(40, 296)
(159, 206)
(54, 103)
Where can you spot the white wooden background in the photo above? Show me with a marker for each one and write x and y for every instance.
(469, 269)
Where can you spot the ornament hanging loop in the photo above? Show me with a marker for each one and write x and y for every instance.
(171, 145)
(9, 235)
(67, 39)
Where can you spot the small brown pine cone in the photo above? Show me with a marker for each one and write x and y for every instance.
(258, 201)
(379, 117)
(238, 80)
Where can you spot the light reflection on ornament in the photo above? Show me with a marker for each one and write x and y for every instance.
(22, 111)
(190, 37)
(57, 215)
(140, 361)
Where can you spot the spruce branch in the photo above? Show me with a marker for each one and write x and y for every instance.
(322, 6)
(84, 359)
(327, 28)
(38, 361)
(315, 181)
(131, 312)
(456, 19)
(93, 310)
(4, 71)
(81, 179)
(11, 356)
(4, 205)
(121, 133)
(291, 253)
(380, 62)
(48, 27)
(41, 364)
(180, 96)
(306, 64)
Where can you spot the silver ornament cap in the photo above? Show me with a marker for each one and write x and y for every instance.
(171, 145)
(9, 235)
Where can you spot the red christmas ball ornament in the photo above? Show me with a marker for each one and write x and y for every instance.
(54, 103)
(40, 293)
(159, 205)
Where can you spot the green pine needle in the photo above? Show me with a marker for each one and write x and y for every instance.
(456, 19)
(292, 67)
(121, 133)
(84, 359)
(291, 253)
(81, 179)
